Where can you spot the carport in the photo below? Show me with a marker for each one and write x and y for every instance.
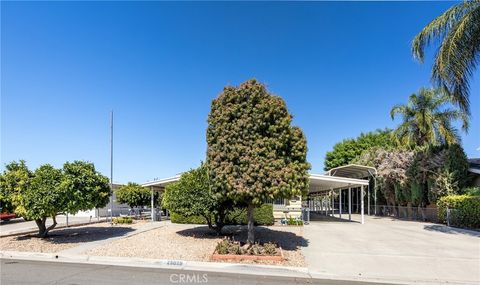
(359, 172)
(324, 188)
(158, 186)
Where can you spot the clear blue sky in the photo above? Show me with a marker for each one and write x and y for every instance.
(339, 66)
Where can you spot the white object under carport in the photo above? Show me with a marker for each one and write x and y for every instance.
(322, 184)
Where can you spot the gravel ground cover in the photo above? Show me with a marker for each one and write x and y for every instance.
(197, 243)
(65, 238)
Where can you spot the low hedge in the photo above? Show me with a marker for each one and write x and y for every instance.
(263, 216)
(122, 220)
(181, 219)
(466, 210)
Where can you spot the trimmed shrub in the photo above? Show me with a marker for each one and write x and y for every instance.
(466, 210)
(263, 216)
(181, 219)
(294, 222)
(122, 220)
(227, 246)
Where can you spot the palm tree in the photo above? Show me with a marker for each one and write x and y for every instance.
(458, 30)
(427, 119)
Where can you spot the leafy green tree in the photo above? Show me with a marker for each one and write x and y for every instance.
(427, 119)
(44, 198)
(253, 151)
(13, 182)
(133, 194)
(350, 150)
(85, 186)
(192, 196)
(48, 191)
(458, 31)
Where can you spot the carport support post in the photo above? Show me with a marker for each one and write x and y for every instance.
(361, 205)
(368, 199)
(340, 204)
(375, 191)
(350, 203)
(152, 210)
(332, 205)
(325, 204)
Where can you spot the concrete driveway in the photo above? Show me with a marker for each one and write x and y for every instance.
(385, 249)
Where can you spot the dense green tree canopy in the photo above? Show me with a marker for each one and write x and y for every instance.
(253, 151)
(192, 196)
(134, 195)
(349, 150)
(458, 32)
(86, 187)
(13, 182)
(47, 191)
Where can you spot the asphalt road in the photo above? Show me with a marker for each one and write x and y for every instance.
(38, 272)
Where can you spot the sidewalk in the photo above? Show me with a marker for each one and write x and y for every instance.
(19, 226)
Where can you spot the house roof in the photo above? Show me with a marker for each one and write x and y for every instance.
(474, 165)
(353, 171)
(318, 182)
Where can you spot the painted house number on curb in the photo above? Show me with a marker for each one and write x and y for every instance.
(175, 262)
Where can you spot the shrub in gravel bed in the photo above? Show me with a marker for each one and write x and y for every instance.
(123, 220)
(227, 246)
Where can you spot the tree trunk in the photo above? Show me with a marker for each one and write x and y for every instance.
(42, 228)
(250, 226)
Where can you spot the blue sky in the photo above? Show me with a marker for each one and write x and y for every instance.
(340, 66)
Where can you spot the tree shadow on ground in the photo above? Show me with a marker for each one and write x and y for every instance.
(286, 239)
(80, 235)
(451, 230)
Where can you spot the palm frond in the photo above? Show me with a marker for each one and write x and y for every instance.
(438, 28)
(398, 109)
(457, 58)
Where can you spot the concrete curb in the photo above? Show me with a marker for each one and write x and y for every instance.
(268, 270)
(234, 268)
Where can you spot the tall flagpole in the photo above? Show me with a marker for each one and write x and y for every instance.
(111, 166)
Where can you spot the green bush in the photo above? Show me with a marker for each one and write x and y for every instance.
(294, 222)
(466, 210)
(472, 191)
(227, 246)
(181, 219)
(123, 220)
(263, 216)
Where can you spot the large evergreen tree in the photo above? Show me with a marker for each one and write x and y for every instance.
(350, 150)
(254, 152)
